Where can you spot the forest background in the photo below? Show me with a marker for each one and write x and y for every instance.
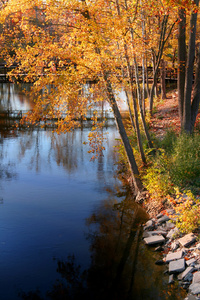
(79, 54)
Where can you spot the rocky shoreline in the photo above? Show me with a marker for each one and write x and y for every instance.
(181, 252)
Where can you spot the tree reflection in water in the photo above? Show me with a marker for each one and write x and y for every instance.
(114, 235)
(121, 267)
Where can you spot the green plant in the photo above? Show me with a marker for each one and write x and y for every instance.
(157, 178)
(185, 167)
(188, 210)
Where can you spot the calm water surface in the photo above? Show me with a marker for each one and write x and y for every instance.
(48, 188)
(59, 209)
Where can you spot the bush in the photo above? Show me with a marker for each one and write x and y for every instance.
(157, 178)
(185, 162)
(176, 164)
(188, 212)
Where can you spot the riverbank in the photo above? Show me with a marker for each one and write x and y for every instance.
(179, 252)
(168, 229)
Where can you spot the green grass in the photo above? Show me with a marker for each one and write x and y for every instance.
(176, 164)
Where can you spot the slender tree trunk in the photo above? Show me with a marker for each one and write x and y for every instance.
(140, 105)
(196, 95)
(127, 146)
(137, 127)
(129, 109)
(143, 60)
(147, 77)
(163, 39)
(189, 73)
(162, 77)
(143, 86)
(128, 102)
(181, 61)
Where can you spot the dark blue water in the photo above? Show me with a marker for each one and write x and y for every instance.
(48, 187)
(59, 210)
(51, 188)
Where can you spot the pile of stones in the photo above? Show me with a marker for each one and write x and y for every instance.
(181, 253)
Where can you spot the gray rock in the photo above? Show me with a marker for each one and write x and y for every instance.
(146, 234)
(185, 273)
(191, 297)
(157, 232)
(159, 216)
(171, 278)
(173, 233)
(169, 225)
(194, 288)
(187, 240)
(189, 277)
(196, 277)
(196, 253)
(174, 256)
(177, 266)
(191, 261)
(163, 219)
(197, 267)
(174, 245)
(156, 239)
(198, 246)
(149, 225)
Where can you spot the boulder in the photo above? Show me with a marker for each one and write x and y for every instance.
(187, 240)
(185, 273)
(149, 225)
(174, 256)
(174, 245)
(160, 215)
(171, 278)
(156, 239)
(190, 297)
(194, 288)
(177, 266)
(163, 219)
(191, 261)
(173, 233)
(196, 277)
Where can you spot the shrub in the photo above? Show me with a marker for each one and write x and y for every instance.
(188, 211)
(185, 162)
(157, 178)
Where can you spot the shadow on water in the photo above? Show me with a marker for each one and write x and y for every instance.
(122, 267)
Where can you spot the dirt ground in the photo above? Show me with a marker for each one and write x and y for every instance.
(166, 115)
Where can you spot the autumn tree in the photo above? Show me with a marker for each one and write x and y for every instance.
(188, 109)
(86, 46)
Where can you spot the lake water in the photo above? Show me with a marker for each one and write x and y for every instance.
(59, 210)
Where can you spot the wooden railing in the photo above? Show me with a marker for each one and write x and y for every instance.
(171, 73)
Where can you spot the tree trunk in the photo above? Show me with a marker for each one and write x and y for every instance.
(137, 127)
(129, 109)
(196, 95)
(127, 146)
(147, 76)
(189, 73)
(162, 77)
(140, 105)
(181, 61)
(162, 42)
(143, 86)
